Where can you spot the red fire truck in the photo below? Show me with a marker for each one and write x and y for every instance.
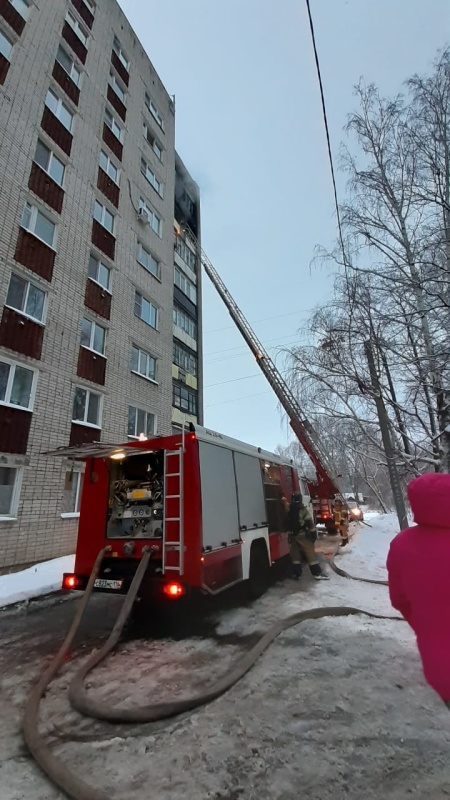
(211, 509)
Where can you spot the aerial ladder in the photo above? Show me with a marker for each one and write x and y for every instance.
(326, 489)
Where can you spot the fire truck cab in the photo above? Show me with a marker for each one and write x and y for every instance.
(211, 508)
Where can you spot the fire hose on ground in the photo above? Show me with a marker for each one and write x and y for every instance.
(57, 770)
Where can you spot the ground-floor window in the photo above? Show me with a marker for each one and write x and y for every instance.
(73, 485)
(10, 480)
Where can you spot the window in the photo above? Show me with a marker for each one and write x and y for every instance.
(93, 336)
(22, 6)
(36, 222)
(185, 399)
(10, 481)
(109, 167)
(151, 177)
(76, 27)
(73, 485)
(185, 252)
(148, 261)
(154, 144)
(145, 310)
(103, 216)
(26, 297)
(114, 126)
(68, 65)
(185, 322)
(49, 162)
(86, 407)
(120, 54)
(59, 109)
(185, 285)
(5, 46)
(114, 83)
(154, 221)
(99, 272)
(143, 363)
(154, 111)
(90, 5)
(140, 421)
(184, 358)
(17, 385)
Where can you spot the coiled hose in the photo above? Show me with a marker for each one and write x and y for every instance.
(54, 768)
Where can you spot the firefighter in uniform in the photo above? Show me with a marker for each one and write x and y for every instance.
(302, 535)
(341, 521)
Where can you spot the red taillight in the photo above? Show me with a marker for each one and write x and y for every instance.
(173, 589)
(69, 581)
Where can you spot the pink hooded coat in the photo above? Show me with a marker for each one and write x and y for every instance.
(419, 576)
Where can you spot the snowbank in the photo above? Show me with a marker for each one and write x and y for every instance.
(34, 581)
(365, 556)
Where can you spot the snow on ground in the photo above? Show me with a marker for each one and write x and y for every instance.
(35, 581)
(336, 708)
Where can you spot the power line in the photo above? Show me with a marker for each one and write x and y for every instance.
(245, 347)
(233, 380)
(327, 130)
(264, 319)
(238, 399)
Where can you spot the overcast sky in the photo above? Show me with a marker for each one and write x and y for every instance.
(250, 131)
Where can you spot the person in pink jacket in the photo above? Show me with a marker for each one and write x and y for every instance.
(421, 594)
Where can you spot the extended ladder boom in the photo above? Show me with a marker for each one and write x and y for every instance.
(299, 424)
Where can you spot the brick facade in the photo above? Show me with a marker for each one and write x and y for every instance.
(38, 531)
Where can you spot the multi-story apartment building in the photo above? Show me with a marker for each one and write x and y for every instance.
(99, 298)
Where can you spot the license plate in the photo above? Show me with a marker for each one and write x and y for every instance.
(101, 583)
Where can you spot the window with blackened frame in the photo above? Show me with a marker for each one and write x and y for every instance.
(26, 297)
(16, 385)
(185, 399)
(86, 407)
(140, 422)
(73, 486)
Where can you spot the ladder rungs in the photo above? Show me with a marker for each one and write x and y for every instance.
(173, 544)
(173, 474)
(172, 519)
(173, 496)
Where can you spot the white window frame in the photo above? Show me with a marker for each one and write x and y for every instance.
(148, 355)
(142, 247)
(88, 391)
(153, 142)
(152, 305)
(99, 261)
(34, 211)
(111, 122)
(101, 222)
(27, 291)
(74, 71)
(117, 88)
(78, 471)
(15, 497)
(189, 285)
(152, 179)
(109, 164)
(59, 105)
(6, 52)
(13, 364)
(90, 346)
(120, 53)
(90, 5)
(146, 412)
(156, 222)
(77, 28)
(52, 157)
(159, 119)
(20, 6)
(191, 321)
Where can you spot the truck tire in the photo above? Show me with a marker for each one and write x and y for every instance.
(259, 572)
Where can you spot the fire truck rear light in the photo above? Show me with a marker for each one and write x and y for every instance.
(69, 581)
(173, 590)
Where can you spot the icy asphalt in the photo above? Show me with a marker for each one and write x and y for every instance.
(334, 709)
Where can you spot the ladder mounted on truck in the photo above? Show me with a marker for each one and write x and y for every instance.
(327, 481)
